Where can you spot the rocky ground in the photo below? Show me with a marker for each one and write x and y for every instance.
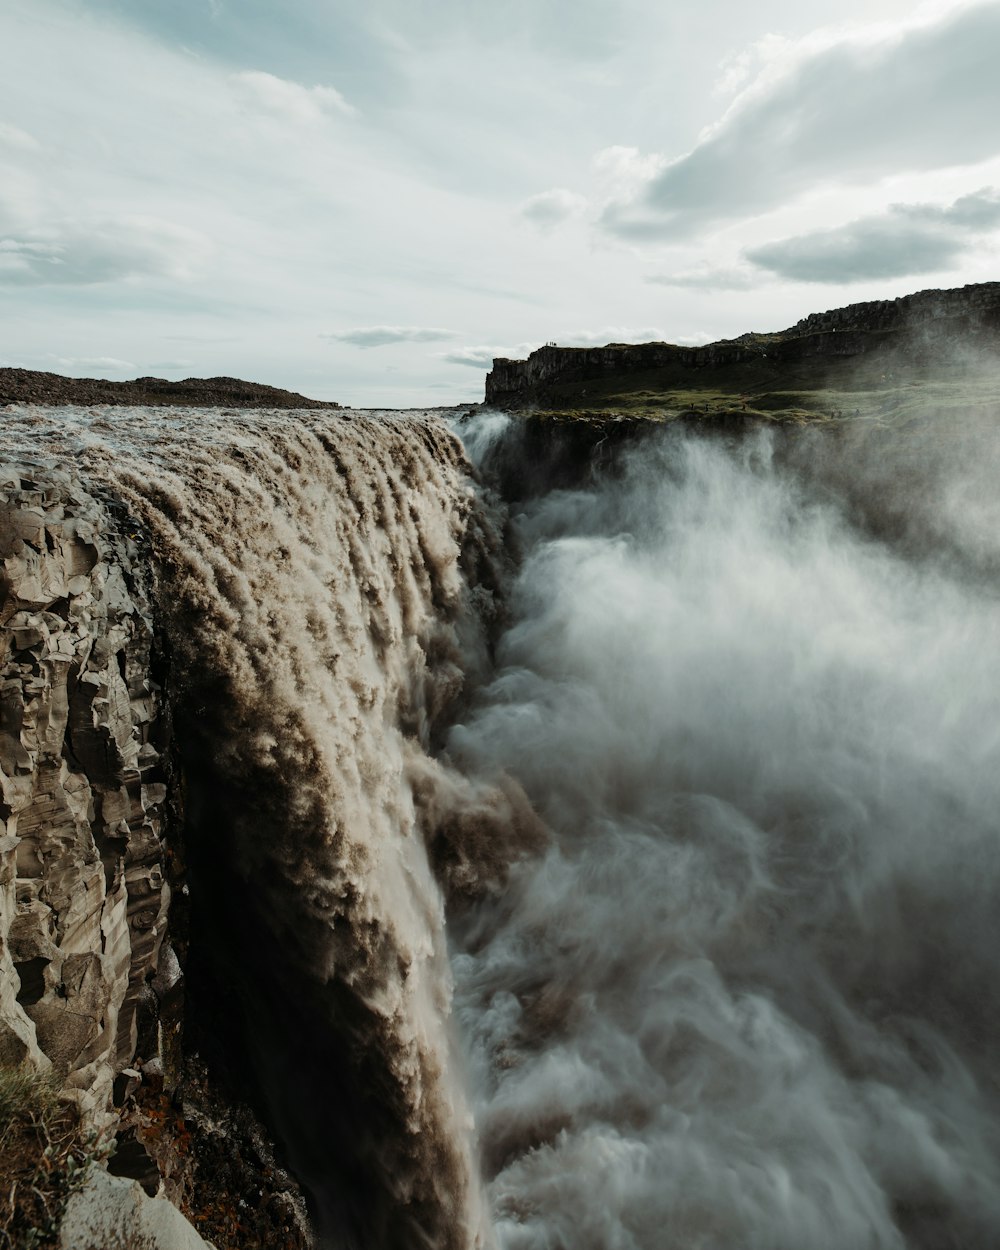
(27, 386)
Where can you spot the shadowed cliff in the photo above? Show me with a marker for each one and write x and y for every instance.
(880, 359)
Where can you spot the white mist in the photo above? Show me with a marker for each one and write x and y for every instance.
(748, 996)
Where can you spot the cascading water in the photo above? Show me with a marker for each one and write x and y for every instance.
(312, 595)
(716, 829)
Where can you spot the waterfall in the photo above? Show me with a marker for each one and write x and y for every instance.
(311, 590)
(610, 868)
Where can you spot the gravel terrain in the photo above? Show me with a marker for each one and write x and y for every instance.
(27, 386)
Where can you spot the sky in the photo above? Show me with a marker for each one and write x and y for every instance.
(368, 202)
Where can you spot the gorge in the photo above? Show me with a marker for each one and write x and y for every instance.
(506, 829)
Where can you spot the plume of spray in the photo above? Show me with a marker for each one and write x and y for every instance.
(746, 996)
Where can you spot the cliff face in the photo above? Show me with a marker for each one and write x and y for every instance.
(842, 333)
(91, 991)
(975, 303)
(83, 895)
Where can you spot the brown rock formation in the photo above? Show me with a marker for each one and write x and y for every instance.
(26, 386)
(84, 899)
(90, 990)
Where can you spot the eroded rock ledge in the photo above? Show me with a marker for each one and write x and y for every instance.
(91, 985)
(84, 898)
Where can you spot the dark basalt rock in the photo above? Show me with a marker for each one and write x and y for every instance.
(915, 326)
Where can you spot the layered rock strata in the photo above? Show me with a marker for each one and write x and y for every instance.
(914, 322)
(83, 891)
(309, 585)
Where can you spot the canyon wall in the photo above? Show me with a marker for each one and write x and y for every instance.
(84, 896)
(92, 993)
(911, 322)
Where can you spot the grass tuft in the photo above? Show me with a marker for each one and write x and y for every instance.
(44, 1152)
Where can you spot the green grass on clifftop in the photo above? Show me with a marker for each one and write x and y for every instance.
(871, 391)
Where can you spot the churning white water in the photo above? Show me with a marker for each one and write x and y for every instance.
(747, 996)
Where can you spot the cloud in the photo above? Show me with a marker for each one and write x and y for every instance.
(980, 210)
(698, 339)
(709, 278)
(864, 249)
(290, 101)
(382, 336)
(552, 207)
(737, 68)
(610, 334)
(85, 253)
(908, 239)
(15, 137)
(482, 357)
(103, 364)
(623, 173)
(844, 110)
(474, 357)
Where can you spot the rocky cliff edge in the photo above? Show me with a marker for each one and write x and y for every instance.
(91, 990)
(820, 344)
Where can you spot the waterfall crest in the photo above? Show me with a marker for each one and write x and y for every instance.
(311, 589)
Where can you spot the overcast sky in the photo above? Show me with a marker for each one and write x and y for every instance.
(367, 201)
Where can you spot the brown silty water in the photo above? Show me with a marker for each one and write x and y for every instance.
(311, 590)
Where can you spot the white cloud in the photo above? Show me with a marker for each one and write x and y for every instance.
(14, 137)
(482, 357)
(698, 339)
(552, 207)
(737, 68)
(290, 101)
(301, 220)
(474, 357)
(103, 364)
(610, 334)
(709, 278)
(860, 251)
(88, 252)
(847, 109)
(908, 239)
(382, 336)
(623, 172)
